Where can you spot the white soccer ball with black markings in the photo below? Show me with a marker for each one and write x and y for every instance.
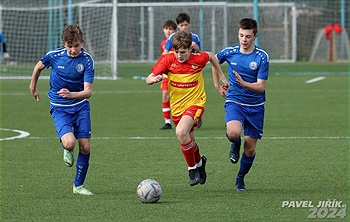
(149, 191)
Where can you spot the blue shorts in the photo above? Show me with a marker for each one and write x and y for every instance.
(74, 119)
(251, 117)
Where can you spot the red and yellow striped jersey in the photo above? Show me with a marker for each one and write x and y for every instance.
(186, 82)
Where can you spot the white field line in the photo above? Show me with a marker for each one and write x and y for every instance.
(315, 79)
(94, 92)
(22, 134)
(25, 135)
(203, 138)
(156, 92)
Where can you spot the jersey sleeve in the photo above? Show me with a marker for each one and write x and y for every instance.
(263, 71)
(197, 41)
(221, 56)
(161, 66)
(2, 38)
(46, 60)
(89, 73)
(205, 57)
(264, 64)
(169, 43)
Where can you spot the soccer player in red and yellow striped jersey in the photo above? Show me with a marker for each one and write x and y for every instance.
(187, 96)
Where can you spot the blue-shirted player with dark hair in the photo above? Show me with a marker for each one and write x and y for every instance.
(183, 23)
(71, 80)
(248, 67)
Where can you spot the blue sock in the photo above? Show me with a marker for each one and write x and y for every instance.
(81, 168)
(246, 164)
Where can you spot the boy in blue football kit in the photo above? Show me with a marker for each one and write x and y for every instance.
(248, 67)
(3, 51)
(71, 81)
(183, 23)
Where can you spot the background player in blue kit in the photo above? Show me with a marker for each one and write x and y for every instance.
(248, 67)
(183, 23)
(71, 81)
(3, 50)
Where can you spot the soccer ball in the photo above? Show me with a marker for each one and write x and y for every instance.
(149, 191)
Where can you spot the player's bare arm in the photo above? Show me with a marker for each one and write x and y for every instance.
(219, 88)
(151, 79)
(35, 76)
(85, 94)
(218, 74)
(258, 86)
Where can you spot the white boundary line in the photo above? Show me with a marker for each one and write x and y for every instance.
(22, 134)
(315, 79)
(204, 138)
(156, 91)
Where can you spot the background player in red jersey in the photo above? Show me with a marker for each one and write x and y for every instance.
(187, 96)
(169, 28)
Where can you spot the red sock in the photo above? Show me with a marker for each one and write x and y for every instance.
(166, 110)
(188, 152)
(197, 155)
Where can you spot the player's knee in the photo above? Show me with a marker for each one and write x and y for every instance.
(181, 134)
(68, 144)
(68, 141)
(84, 149)
(232, 135)
(249, 152)
(249, 146)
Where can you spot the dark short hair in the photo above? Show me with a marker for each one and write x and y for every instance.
(249, 23)
(182, 39)
(182, 17)
(170, 24)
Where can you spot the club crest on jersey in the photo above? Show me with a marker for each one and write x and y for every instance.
(80, 67)
(253, 65)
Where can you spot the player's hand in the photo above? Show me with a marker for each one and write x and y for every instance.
(158, 78)
(35, 94)
(151, 79)
(239, 79)
(6, 55)
(225, 85)
(222, 92)
(65, 93)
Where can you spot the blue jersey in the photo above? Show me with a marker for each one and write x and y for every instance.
(169, 43)
(2, 40)
(251, 67)
(68, 72)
